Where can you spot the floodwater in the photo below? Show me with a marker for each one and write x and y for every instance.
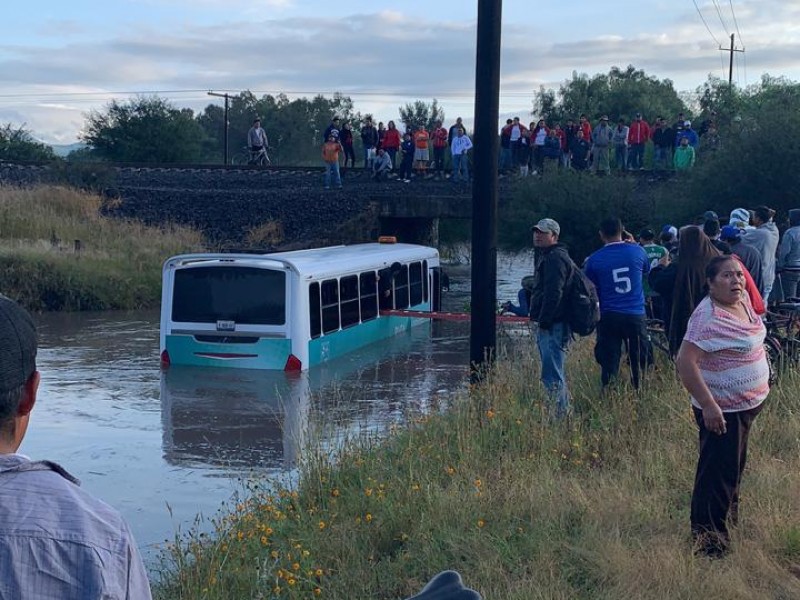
(165, 447)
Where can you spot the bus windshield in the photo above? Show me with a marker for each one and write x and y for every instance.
(240, 294)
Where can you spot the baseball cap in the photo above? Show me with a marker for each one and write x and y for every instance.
(17, 345)
(670, 229)
(730, 232)
(547, 226)
(604, 118)
(647, 233)
(740, 217)
(687, 123)
(710, 215)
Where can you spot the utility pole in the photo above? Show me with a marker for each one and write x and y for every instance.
(225, 151)
(732, 49)
(483, 327)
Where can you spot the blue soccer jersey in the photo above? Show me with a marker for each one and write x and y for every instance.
(617, 270)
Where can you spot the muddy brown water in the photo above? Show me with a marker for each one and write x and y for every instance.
(165, 447)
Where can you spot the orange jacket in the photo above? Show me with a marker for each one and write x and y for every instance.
(330, 151)
(421, 138)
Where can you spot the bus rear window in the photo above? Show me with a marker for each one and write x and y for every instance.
(238, 294)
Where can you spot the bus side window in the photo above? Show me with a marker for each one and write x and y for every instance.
(369, 295)
(424, 280)
(415, 283)
(401, 288)
(330, 306)
(315, 318)
(348, 294)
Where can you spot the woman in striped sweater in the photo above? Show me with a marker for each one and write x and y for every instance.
(722, 364)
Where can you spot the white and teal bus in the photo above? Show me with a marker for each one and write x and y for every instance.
(291, 310)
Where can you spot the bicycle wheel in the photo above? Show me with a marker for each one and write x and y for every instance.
(658, 336)
(240, 159)
(775, 358)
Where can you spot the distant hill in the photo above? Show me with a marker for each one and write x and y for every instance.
(64, 149)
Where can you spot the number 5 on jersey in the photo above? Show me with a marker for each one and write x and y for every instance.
(622, 279)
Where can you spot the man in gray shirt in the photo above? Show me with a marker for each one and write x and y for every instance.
(57, 542)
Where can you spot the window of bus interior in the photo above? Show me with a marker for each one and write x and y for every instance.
(246, 295)
(349, 300)
(415, 283)
(314, 310)
(369, 295)
(401, 288)
(330, 305)
(424, 280)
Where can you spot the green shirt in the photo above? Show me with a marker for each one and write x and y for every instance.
(654, 253)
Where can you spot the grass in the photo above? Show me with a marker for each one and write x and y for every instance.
(117, 267)
(524, 507)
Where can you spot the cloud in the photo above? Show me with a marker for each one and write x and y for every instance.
(380, 66)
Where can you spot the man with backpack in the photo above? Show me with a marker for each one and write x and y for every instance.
(617, 270)
(549, 311)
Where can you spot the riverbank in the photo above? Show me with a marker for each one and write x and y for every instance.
(596, 507)
(57, 252)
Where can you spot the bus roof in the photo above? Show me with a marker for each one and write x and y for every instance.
(323, 262)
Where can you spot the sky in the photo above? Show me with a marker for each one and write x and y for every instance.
(59, 60)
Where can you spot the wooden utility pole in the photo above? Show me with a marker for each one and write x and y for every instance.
(732, 49)
(483, 329)
(225, 150)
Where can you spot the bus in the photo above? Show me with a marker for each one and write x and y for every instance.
(292, 310)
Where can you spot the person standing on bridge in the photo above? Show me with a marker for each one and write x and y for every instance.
(459, 149)
(330, 155)
(256, 139)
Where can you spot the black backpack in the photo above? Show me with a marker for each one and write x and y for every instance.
(581, 303)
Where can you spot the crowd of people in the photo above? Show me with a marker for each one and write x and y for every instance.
(389, 154)
(525, 150)
(579, 146)
(709, 284)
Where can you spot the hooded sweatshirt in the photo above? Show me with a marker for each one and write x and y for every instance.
(764, 238)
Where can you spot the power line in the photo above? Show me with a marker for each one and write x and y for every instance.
(736, 23)
(719, 14)
(702, 18)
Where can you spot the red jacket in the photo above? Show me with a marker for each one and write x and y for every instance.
(586, 127)
(391, 139)
(638, 132)
(440, 138)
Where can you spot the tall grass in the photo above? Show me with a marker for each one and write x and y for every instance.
(523, 506)
(118, 264)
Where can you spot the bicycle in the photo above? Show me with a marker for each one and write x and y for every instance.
(248, 157)
(782, 343)
(657, 333)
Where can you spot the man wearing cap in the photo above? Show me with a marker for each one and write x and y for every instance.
(750, 257)
(638, 136)
(617, 271)
(764, 238)
(548, 311)
(331, 130)
(57, 542)
(601, 141)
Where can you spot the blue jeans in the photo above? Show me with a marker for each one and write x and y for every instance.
(636, 156)
(552, 344)
(505, 158)
(460, 168)
(661, 158)
(332, 168)
(621, 157)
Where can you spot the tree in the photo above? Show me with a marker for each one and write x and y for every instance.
(17, 143)
(420, 113)
(145, 129)
(619, 94)
(294, 127)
